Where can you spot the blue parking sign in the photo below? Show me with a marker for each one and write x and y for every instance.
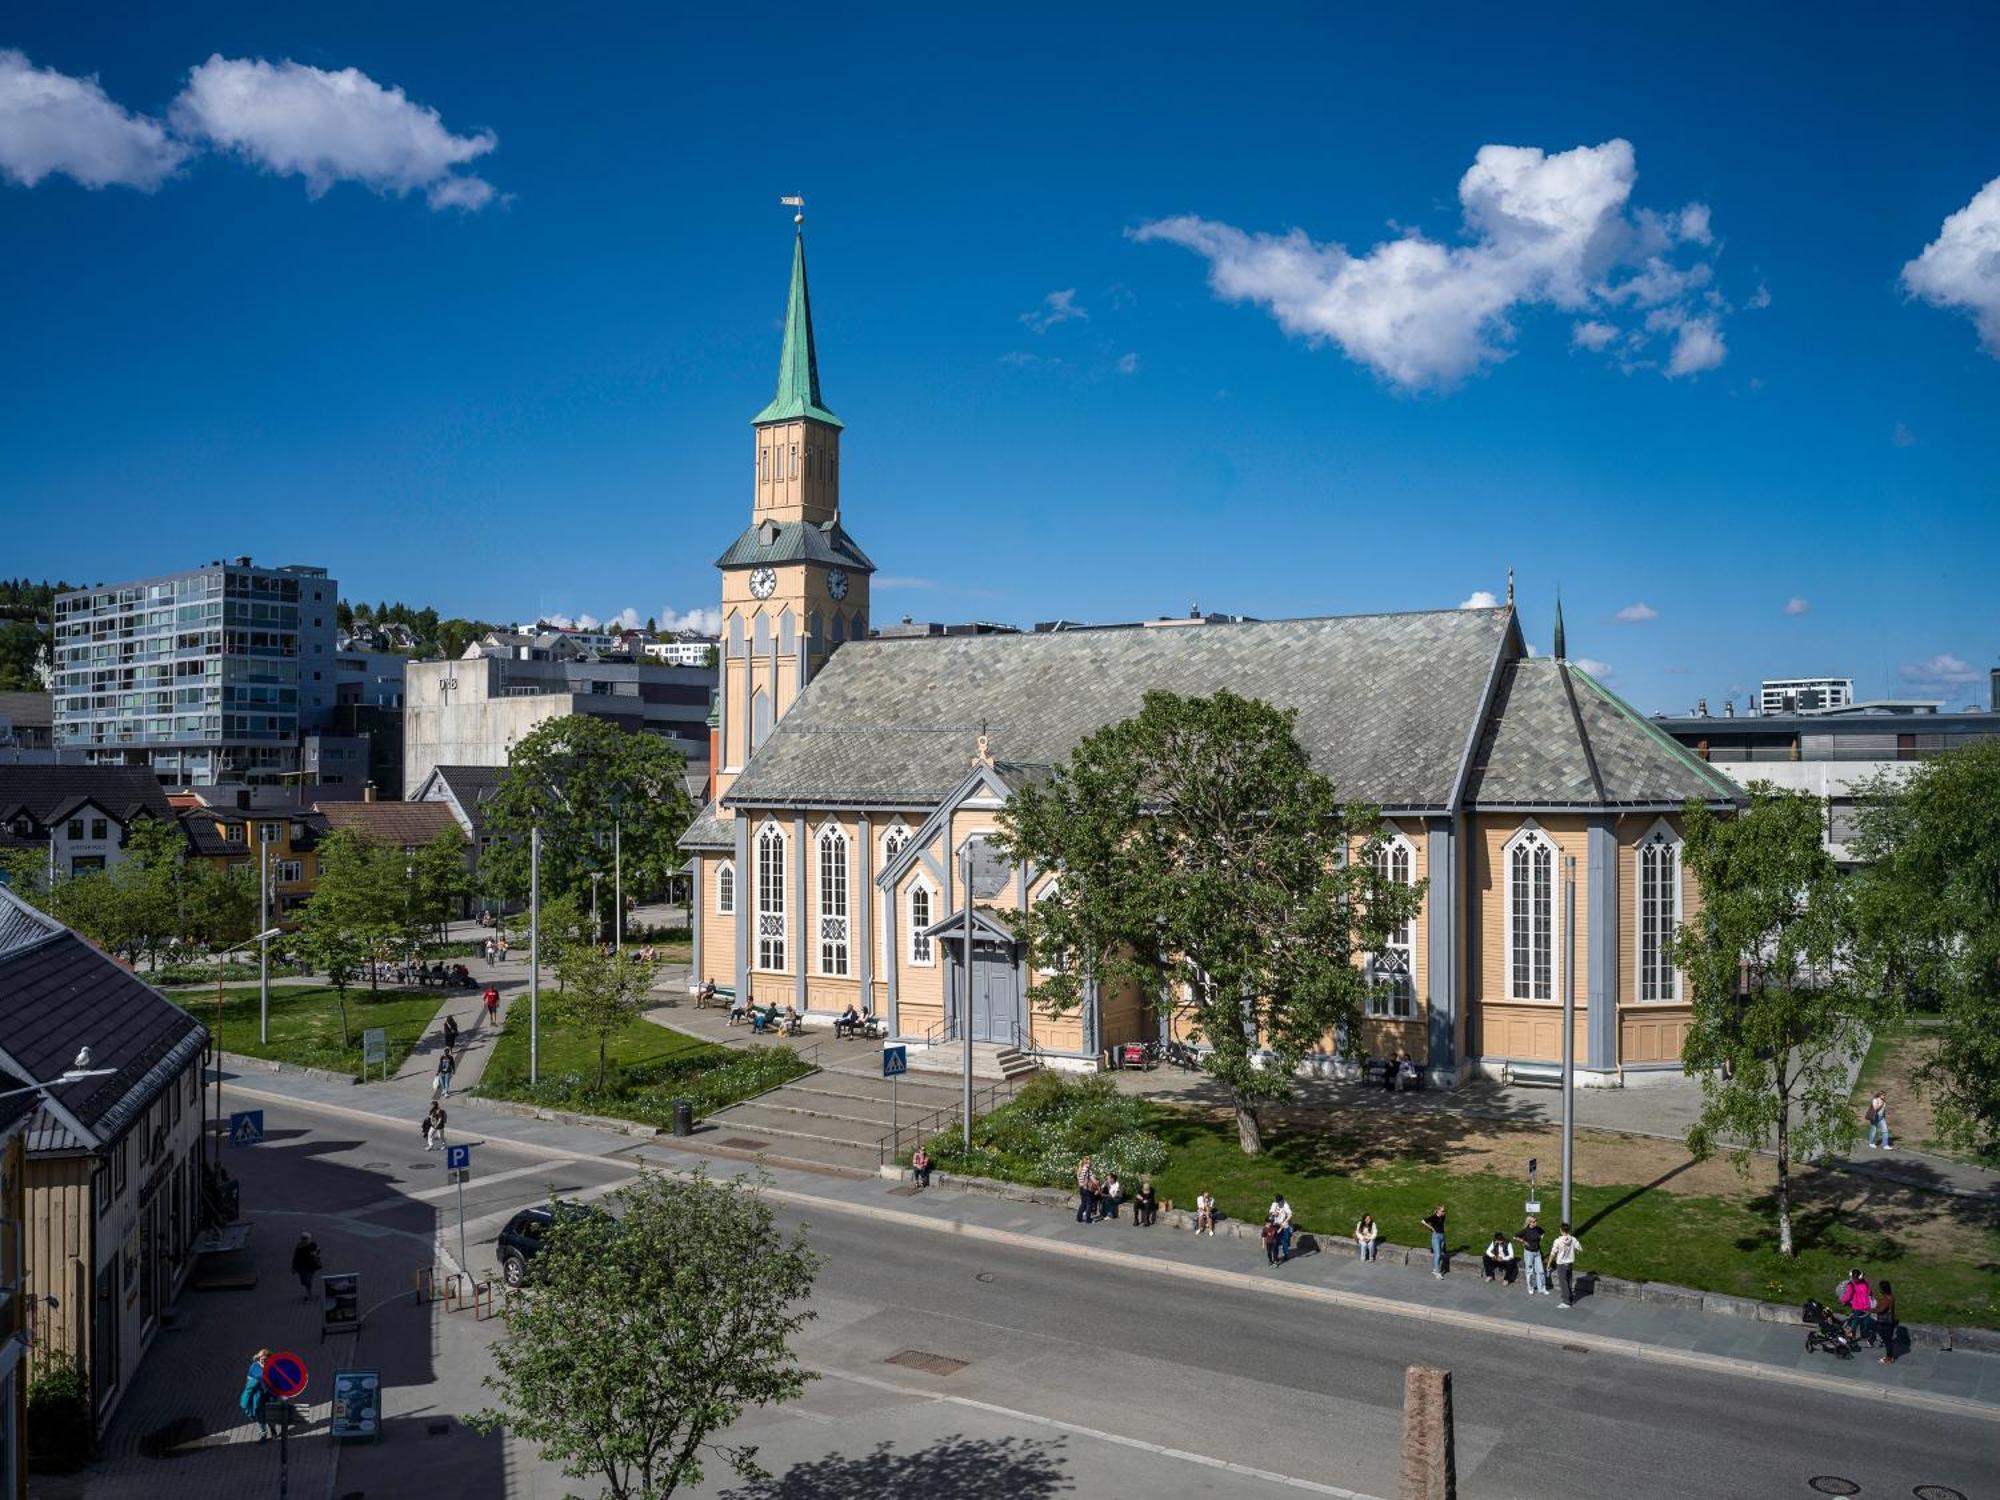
(458, 1158)
(895, 1060)
(246, 1127)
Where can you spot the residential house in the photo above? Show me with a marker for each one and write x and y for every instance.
(16, 1330)
(236, 835)
(77, 817)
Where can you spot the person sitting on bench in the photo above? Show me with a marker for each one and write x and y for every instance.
(1406, 1073)
(705, 994)
(739, 1008)
(1146, 1205)
(848, 1022)
(794, 1022)
(765, 1019)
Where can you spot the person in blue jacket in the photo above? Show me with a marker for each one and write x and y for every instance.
(254, 1395)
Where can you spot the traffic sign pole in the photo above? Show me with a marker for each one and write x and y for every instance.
(458, 1162)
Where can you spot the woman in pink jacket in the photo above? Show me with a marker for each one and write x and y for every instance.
(1854, 1296)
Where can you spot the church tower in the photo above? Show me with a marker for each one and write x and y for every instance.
(794, 584)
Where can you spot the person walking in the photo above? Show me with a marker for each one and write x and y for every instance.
(1281, 1215)
(252, 1399)
(1878, 1121)
(1532, 1269)
(1086, 1192)
(450, 1033)
(434, 1127)
(492, 999)
(491, 948)
(447, 1064)
(920, 1166)
(1146, 1205)
(1885, 1320)
(501, 944)
(1434, 1222)
(1269, 1235)
(1365, 1236)
(305, 1265)
(1204, 1213)
(1498, 1257)
(1563, 1254)
(1853, 1295)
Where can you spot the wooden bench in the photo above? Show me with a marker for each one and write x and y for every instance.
(724, 996)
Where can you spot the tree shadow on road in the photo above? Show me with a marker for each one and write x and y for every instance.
(957, 1468)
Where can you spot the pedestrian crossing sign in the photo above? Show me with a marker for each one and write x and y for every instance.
(895, 1060)
(246, 1127)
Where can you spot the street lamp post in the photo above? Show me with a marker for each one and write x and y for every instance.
(76, 1073)
(221, 963)
(535, 954)
(263, 949)
(596, 926)
(618, 876)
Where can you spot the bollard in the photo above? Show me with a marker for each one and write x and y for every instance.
(1429, 1471)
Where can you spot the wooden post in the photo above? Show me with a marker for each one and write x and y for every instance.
(1429, 1471)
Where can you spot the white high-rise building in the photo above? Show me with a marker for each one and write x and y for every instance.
(1804, 695)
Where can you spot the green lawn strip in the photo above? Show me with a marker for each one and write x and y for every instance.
(1639, 1232)
(648, 1067)
(305, 1023)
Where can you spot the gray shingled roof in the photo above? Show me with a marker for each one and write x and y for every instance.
(1387, 704)
(795, 541)
(1560, 738)
(709, 830)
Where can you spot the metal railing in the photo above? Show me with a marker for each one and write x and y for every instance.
(984, 1101)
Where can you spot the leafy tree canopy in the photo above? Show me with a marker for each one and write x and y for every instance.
(1195, 850)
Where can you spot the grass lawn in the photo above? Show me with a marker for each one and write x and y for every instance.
(1643, 1208)
(305, 1022)
(648, 1067)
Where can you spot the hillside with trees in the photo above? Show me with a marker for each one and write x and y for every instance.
(27, 613)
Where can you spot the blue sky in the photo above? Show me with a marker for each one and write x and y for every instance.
(492, 342)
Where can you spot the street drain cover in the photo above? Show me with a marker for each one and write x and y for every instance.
(1833, 1484)
(1936, 1492)
(742, 1143)
(930, 1364)
(375, 1166)
(986, 1276)
(421, 1166)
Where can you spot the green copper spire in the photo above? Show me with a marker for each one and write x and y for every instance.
(798, 365)
(1562, 651)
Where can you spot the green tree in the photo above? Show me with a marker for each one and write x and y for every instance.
(343, 615)
(359, 912)
(24, 651)
(442, 881)
(218, 905)
(1929, 902)
(639, 1339)
(1779, 1018)
(601, 993)
(1197, 850)
(576, 777)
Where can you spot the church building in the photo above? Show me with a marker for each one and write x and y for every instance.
(857, 782)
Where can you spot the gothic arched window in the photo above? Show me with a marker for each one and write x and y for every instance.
(833, 926)
(1531, 945)
(771, 898)
(1659, 915)
(1392, 968)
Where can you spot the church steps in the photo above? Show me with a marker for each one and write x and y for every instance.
(775, 1120)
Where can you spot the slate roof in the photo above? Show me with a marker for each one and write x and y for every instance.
(58, 993)
(1387, 704)
(1560, 738)
(47, 793)
(404, 824)
(709, 830)
(28, 710)
(795, 541)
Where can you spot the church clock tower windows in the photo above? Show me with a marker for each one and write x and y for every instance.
(795, 567)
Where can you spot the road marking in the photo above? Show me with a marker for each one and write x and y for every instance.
(1237, 1280)
(1077, 1429)
(425, 1195)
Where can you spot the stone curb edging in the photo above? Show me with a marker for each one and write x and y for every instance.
(244, 1063)
(1925, 1335)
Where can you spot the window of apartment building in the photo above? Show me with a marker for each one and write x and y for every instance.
(1659, 915)
(1531, 864)
(1392, 968)
(770, 898)
(725, 888)
(269, 833)
(833, 927)
(922, 907)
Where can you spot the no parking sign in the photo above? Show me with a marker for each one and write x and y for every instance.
(284, 1375)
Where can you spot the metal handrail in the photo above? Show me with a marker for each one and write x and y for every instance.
(984, 1101)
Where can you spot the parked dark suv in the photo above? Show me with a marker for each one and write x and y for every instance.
(522, 1237)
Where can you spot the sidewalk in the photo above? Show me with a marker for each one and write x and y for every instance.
(1659, 1331)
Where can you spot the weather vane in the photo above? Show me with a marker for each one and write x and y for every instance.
(798, 207)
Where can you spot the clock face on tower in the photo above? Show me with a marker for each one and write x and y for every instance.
(762, 582)
(836, 583)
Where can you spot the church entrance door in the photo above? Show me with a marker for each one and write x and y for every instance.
(994, 984)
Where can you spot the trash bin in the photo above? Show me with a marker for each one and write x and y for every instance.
(683, 1117)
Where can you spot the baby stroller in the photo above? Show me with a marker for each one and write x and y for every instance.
(1825, 1331)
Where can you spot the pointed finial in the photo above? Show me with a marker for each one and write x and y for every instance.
(798, 204)
(1562, 648)
(1510, 588)
(982, 755)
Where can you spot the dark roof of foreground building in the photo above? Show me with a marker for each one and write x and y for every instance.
(1559, 738)
(1388, 705)
(50, 793)
(57, 994)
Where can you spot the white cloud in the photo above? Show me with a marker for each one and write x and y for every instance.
(1601, 670)
(891, 581)
(1128, 364)
(1961, 267)
(1594, 335)
(1479, 599)
(1057, 307)
(1759, 299)
(702, 620)
(1942, 670)
(1539, 229)
(1902, 437)
(1633, 614)
(1698, 346)
(302, 121)
(51, 122)
(1796, 606)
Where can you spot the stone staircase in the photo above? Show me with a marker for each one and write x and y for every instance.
(990, 1060)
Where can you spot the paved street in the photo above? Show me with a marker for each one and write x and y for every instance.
(1084, 1372)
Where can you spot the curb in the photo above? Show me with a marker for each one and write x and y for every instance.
(1921, 1335)
(246, 1064)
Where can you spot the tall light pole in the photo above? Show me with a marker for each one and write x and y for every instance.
(1569, 1026)
(965, 986)
(221, 963)
(618, 874)
(535, 954)
(263, 949)
(596, 926)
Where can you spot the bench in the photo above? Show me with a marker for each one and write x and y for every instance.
(724, 996)
(1378, 1067)
(1531, 1075)
(868, 1027)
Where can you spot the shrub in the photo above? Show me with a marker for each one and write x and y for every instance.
(711, 1078)
(1038, 1135)
(59, 1429)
